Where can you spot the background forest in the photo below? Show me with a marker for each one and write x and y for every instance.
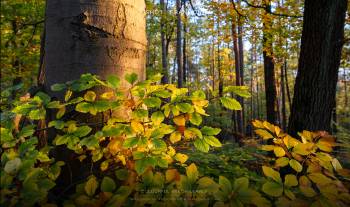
(225, 65)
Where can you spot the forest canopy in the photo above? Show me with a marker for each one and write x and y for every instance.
(175, 103)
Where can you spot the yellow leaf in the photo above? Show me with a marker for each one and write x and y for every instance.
(290, 141)
(258, 124)
(264, 134)
(137, 127)
(269, 126)
(122, 159)
(171, 175)
(90, 96)
(268, 147)
(175, 137)
(200, 103)
(279, 151)
(180, 120)
(269, 172)
(107, 95)
(290, 180)
(182, 158)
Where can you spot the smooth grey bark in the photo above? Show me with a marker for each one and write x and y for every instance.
(320, 54)
(93, 36)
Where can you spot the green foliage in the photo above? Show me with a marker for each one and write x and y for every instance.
(314, 176)
(150, 122)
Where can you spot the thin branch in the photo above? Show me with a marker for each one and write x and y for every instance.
(270, 12)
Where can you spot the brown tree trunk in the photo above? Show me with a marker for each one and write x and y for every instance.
(269, 68)
(238, 115)
(178, 45)
(321, 45)
(241, 72)
(184, 47)
(165, 73)
(94, 36)
(283, 102)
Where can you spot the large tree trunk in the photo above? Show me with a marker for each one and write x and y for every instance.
(269, 68)
(93, 36)
(184, 47)
(321, 45)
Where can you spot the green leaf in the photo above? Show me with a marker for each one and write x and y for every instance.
(44, 97)
(102, 105)
(60, 140)
(108, 184)
(201, 145)
(208, 185)
(61, 111)
(12, 166)
(131, 78)
(162, 93)
(90, 142)
(192, 173)
(130, 142)
(82, 131)
(37, 114)
(269, 172)
(138, 155)
(230, 103)
(272, 189)
(225, 185)
(152, 102)
(57, 124)
(91, 186)
(282, 162)
(320, 179)
(210, 131)
(157, 118)
(242, 91)
(185, 107)
(26, 131)
(83, 107)
(196, 119)
(159, 144)
(296, 165)
(6, 135)
(113, 81)
(58, 87)
(182, 158)
(241, 183)
(143, 164)
(290, 180)
(212, 141)
(53, 105)
(122, 174)
(68, 95)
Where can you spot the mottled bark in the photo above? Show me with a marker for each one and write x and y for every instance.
(283, 101)
(321, 45)
(93, 36)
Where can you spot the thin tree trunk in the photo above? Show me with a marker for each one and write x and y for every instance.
(238, 115)
(284, 113)
(316, 81)
(165, 78)
(184, 48)
(287, 85)
(241, 72)
(178, 45)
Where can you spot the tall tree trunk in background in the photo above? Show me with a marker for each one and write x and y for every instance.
(345, 90)
(237, 115)
(184, 47)
(221, 79)
(269, 67)
(178, 45)
(165, 78)
(321, 45)
(94, 36)
(287, 84)
(283, 102)
(241, 70)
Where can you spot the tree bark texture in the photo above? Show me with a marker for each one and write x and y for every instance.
(321, 45)
(269, 68)
(178, 45)
(94, 36)
(165, 73)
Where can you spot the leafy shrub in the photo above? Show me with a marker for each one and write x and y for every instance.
(134, 144)
(313, 176)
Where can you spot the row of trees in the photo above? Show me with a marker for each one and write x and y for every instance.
(196, 45)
